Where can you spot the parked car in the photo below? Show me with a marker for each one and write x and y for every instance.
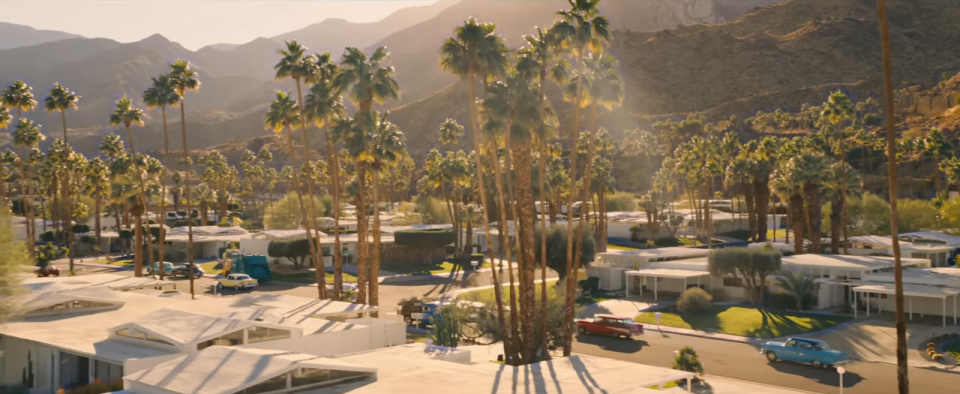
(167, 268)
(183, 271)
(807, 351)
(620, 326)
(50, 270)
(237, 282)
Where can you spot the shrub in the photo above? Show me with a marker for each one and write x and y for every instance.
(184, 223)
(622, 202)
(426, 240)
(80, 228)
(87, 239)
(447, 326)
(296, 250)
(954, 335)
(931, 344)
(781, 301)
(688, 360)
(694, 300)
(48, 236)
(938, 357)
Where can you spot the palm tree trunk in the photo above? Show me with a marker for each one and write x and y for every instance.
(796, 219)
(571, 276)
(313, 234)
(525, 238)
(478, 158)
(186, 184)
(505, 248)
(27, 207)
(362, 248)
(334, 168)
(96, 219)
(813, 208)
(162, 205)
(748, 197)
(296, 181)
(903, 384)
(138, 256)
(835, 217)
(375, 261)
(762, 205)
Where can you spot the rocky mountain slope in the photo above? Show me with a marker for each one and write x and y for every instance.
(16, 36)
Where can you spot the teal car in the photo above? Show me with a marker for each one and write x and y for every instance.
(167, 268)
(807, 351)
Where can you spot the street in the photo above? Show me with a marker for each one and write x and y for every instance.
(741, 361)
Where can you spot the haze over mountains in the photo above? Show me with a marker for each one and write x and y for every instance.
(14, 36)
(717, 61)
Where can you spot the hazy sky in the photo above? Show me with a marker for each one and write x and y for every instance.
(193, 23)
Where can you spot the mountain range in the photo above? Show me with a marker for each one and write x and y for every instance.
(14, 36)
(719, 57)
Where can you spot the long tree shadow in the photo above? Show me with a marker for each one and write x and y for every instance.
(613, 344)
(825, 376)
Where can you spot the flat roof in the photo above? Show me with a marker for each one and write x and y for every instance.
(405, 369)
(909, 290)
(941, 276)
(226, 370)
(848, 263)
(111, 281)
(674, 251)
(887, 241)
(667, 273)
(939, 236)
(87, 333)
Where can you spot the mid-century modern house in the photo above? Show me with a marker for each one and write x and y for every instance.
(76, 330)
(938, 253)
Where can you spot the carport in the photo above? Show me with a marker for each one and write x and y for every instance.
(909, 291)
(664, 273)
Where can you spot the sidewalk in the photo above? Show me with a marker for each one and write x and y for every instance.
(720, 385)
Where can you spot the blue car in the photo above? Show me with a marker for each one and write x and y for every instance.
(807, 351)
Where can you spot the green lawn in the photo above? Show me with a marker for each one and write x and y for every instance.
(747, 322)
(211, 268)
(618, 247)
(118, 263)
(428, 269)
(954, 349)
(415, 337)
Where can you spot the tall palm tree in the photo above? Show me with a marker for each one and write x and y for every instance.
(27, 134)
(386, 149)
(541, 55)
(295, 64)
(368, 80)
(740, 172)
(60, 100)
(183, 79)
(161, 93)
(839, 180)
(124, 114)
(97, 173)
(903, 383)
(837, 108)
(583, 30)
(789, 189)
(811, 171)
(19, 96)
(323, 104)
(476, 49)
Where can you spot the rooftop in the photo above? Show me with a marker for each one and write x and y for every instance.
(405, 369)
(949, 277)
(909, 290)
(848, 263)
(110, 281)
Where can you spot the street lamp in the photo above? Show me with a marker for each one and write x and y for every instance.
(841, 371)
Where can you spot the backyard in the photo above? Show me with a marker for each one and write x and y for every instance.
(746, 321)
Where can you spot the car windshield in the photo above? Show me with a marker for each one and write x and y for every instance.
(626, 322)
(242, 277)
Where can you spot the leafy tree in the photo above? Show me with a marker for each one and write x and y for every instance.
(295, 250)
(688, 360)
(916, 215)
(802, 288)
(557, 249)
(286, 215)
(751, 266)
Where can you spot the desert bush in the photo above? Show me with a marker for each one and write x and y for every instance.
(694, 300)
(938, 357)
(931, 344)
(688, 360)
(622, 202)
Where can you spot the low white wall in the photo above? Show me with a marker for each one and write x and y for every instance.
(354, 340)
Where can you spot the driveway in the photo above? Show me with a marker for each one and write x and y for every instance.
(875, 340)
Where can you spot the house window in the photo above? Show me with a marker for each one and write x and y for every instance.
(263, 334)
(875, 295)
(730, 281)
(126, 333)
(154, 339)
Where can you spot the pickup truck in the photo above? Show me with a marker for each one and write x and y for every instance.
(807, 351)
(620, 326)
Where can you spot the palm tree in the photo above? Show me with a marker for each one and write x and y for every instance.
(124, 114)
(903, 383)
(61, 99)
(323, 104)
(369, 80)
(938, 148)
(837, 108)
(839, 180)
(97, 173)
(811, 171)
(740, 172)
(801, 287)
(582, 30)
(19, 97)
(183, 79)
(27, 134)
(355, 139)
(789, 189)
(386, 149)
(474, 50)
(161, 93)
(294, 64)
(450, 132)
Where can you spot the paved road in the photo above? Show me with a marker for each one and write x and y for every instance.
(743, 362)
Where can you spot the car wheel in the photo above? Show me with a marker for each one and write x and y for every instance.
(771, 356)
(581, 330)
(817, 364)
(408, 320)
(236, 287)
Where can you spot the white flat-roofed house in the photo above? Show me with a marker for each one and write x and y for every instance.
(938, 254)
(72, 335)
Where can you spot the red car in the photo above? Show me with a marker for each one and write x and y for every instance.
(609, 325)
(49, 270)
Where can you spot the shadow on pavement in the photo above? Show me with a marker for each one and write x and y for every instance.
(613, 344)
(825, 376)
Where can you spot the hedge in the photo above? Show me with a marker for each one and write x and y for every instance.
(427, 240)
(296, 250)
